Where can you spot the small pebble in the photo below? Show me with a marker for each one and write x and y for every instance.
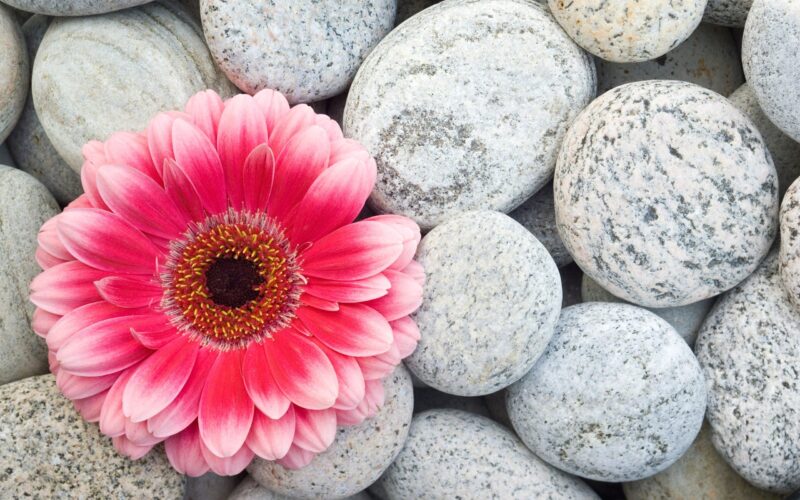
(731, 13)
(73, 7)
(538, 215)
(14, 71)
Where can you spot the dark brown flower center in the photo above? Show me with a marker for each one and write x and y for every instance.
(233, 282)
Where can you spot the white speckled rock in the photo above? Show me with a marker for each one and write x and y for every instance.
(28, 142)
(686, 320)
(249, 489)
(700, 474)
(357, 458)
(454, 454)
(464, 107)
(73, 7)
(790, 243)
(308, 49)
(86, 84)
(665, 193)
(731, 13)
(210, 486)
(617, 395)
(617, 31)
(538, 215)
(24, 206)
(14, 71)
(48, 451)
(771, 60)
(709, 58)
(492, 297)
(749, 349)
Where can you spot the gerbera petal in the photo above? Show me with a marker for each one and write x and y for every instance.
(415, 270)
(406, 335)
(159, 139)
(381, 365)
(290, 124)
(257, 178)
(155, 334)
(273, 105)
(316, 302)
(89, 182)
(112, 420)
(369, 406)
(205, 108)
(180, 189)
(45, 259)
(351, 380)
(409, 231)
(89, 408)
(94, 152)
(127, 448)
(270, 438)
(127, 148)
(138, 434)
(315, 430)
(300, 162)
(129, 291)
(77, 387)
(65, 287)
(261, 385)
(362, 290)
(227, 466)
(404, 297)
(48, 239)
(297, 458)
(43, 321)
(355, 329)
(332, 128)
(345, 149)
(78, 319)
(184, 452)
(198, 159)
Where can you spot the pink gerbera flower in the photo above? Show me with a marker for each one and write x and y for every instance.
(211, 290)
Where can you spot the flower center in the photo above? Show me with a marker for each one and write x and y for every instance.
(231, 280)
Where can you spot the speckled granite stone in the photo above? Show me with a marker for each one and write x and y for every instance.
(428, 399)
(616, 31)
(210, 486)
(308, 49)
(48, 451)
(630, 395)
(700, 474)
(87, 84)
(771, 60)
(709, 58)
(749, 349)
(490, 303)
(789, 258)
(731, 13)
(785, 151)
(28, 142)
(24, 206)
(249, 489)
(454, 454)
(686, 320)
(440, 106)
(14, 71)
(665, 193)
(73, 7)
(538, 215)
(356, 459)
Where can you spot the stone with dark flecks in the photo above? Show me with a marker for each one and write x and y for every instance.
(73, 7)
(491, 299)
(749, 349)
(538, 215)
(790, 243)
(732, 13)
(617, 395)
(14, 71)
(665, 193)
(441, 105)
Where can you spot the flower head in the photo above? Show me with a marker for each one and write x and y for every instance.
(211, 290)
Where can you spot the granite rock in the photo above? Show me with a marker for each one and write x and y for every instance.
(440, 105)
(538, 215)
(789, 258)
(491, 299)
(731, 13)
(428, 399)
(14, 71)
(630, 395)
(249, 489)
(73, 7)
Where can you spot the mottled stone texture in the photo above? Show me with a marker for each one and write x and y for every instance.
(731, 13)
(14, 71)
(790, 243)
(538, 215)
(73, 7)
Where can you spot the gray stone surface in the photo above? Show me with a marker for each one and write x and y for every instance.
(210, 486)
(665, 193)
(789, 257)
(617, 395)
(709, 58)
(28, 142)
(538, 215)
(48, 451)
(14, 71)
(249, 489)
(490, 303)
(428, 399)
(617, 31)
(464, 106)
(731, 13)
(455, 454)
(87, 83)
(749, 349)
(24, 206)
(357, 457)
(308, 49)
(771, 60)
(73, 7)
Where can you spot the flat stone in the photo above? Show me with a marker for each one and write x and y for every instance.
(87, 84)
(771, 60)
(73, 7)
(210, 486)
(538, 215)
(48, 451)
(24, 206)
(455, 454)
(249, 489)
(614, 31)
(308, 49)
(357, 457)
(14, 71)
(491, 299)
(731, 13)
(709, 58)
(28, 142)
(617, 395)
(665, 193)
(440, 106)
(428, 399)
(749, 349)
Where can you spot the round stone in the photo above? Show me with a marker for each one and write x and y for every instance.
(538, 215)
(771, 60)
(731, 13)
(307, 49)
(616, 31)
(749, 349)
(33, 152)
(709, 58)
(73, 7)
(441, 106)
(249, 489)
(455, 454)
(491, 299)
(630, 395)
(14, 71)
(87, 85)
(357, 457)
(790, 243)
(24, 206)
(48, 451)
(665, 193)
(699, 473)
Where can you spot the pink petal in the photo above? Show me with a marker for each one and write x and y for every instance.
(415, 270)
(302, 370)
(81, 201)
(155, 334)
(316, 302)
(404, 297)
(273, 105)
(302, 160)
(129, 291)
(271, 439)
(345, 149)
(127, 148)
(94, 152)
(372, 402)
(127, 448)
(180, 189)
(381, 365)
(112, 420)
(297, 458)
(46, 260)
(49, 241)
(89, 183)
(159, 139)
(43, 321)
(257, 178)
(332, 128)
(351, 380)
(290, 124)
(198, 159)
(89, 408)
(76, 387)
(349, 291)
(228, 466)
(65, 287)
(409, 230)
(78, 319)
(315, 430)
(138, 434)
(260, 384)
(184, 452)
(226, 411)
(355, 329)
(205, 108)
(406, 335)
